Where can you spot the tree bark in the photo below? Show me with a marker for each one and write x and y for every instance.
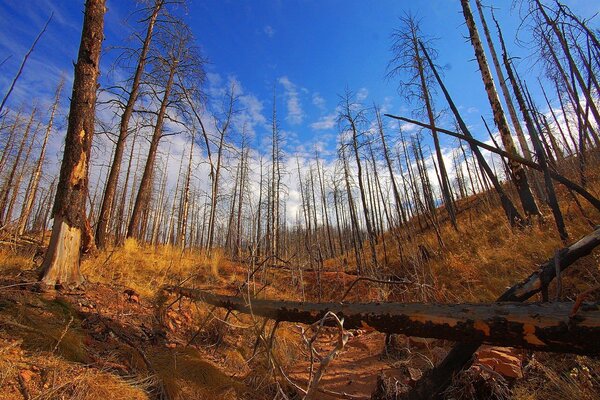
(71, 232)
(437, 379)
(502, 82)
(510, 210)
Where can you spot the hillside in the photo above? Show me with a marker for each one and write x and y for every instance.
(115, 339)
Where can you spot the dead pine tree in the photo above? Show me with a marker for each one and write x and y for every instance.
(9, 185)
(502, 82)
(274, 200)
(517, 171)
(222, 124)
(408, 63)
(108, 199)
(175, 64)
(71, 233)
(511, 212)
(350, 118)
(550, 192)
(22, 65)
(33, 185)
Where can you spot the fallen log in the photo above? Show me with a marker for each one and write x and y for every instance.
(437, 379)
(543, 326)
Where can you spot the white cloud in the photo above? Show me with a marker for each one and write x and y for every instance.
(326, 122)
(295, 114)
(318, 100)
(362, 94)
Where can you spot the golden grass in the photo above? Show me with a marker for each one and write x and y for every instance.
(43, 353)
(185, 374)
(48, 376)
(12, 261)
(146, 268)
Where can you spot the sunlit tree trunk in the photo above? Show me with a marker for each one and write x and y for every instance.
(71, 232)
(113, 176)
(517, 171)
(37, 173)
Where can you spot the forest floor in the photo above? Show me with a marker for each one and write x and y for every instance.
(123, 338)
(109, 342)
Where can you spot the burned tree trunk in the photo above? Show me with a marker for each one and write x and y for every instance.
(517, 171)
(510, 210)
(71, 232)
(437, 379)
(37, 173)
(541, 326)
(113, 176)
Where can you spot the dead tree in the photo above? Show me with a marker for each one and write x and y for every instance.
(502, 82)
(350, 119)
(518, 175)
(537, 145)
(538, 326)
(32, 189)
(113, 177)
(222, 126)
(174, 65)
(476, 143)
(71, 233)
(22, 66)
(408, 59)
(9, 184)
(510, 210)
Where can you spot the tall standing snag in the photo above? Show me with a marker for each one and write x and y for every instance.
(517, 171)
(71, 231)
(113, 176)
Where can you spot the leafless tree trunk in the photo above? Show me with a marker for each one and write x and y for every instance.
(113, 176)
(9, 185)
(71, 232)
(518, 175)
(37, 173)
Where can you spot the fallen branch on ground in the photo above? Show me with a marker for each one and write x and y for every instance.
(545, 327)
(436, 380)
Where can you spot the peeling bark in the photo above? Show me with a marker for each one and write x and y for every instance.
(461, 355)
(71, 231)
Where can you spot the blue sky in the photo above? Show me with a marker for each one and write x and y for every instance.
(311, 50)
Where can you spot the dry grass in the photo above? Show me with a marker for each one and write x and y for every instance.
(43, 355)
(563, 377)
(46, 376)
(146, 268)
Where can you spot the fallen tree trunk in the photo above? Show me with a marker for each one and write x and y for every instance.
(437, 379)
(545, 326)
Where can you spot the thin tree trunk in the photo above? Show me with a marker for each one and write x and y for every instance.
(37, 173)
(517, 171)
(113, 176)
(143, 196)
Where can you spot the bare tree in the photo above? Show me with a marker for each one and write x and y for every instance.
(517, 171)
(407, 62)
(113, 176)
(175, 64)
(71, 232)
(37, 173)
